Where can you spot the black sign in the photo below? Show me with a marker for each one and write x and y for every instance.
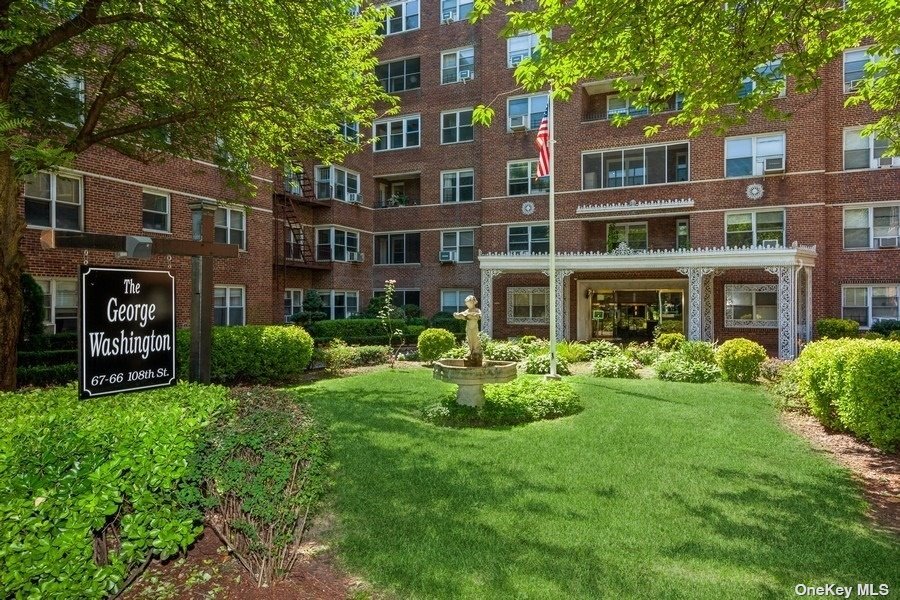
(126, 338)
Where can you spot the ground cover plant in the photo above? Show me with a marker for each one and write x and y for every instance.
(654, 490)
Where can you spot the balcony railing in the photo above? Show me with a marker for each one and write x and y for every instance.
(397, 201)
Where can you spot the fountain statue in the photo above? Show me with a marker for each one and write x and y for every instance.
(471, 316)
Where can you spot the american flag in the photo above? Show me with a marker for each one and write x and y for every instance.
(542, 143)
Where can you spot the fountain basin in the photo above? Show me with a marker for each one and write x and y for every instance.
(472, 379)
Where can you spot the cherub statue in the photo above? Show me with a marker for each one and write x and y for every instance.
(471, 316)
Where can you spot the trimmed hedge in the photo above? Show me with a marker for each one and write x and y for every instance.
(363, 331)
(740, 360)
(886, 327)
(43, 358)
(56, 341)
(46, 375)
(836, 328)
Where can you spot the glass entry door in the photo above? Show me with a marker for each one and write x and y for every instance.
(632, 315)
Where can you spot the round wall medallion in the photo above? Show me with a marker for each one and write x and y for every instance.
(528, 208)
(755, 191)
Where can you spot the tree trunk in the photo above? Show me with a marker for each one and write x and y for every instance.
(12, 226)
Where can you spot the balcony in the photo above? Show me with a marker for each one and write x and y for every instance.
(606, 106)
(398, 190)
(397, 201)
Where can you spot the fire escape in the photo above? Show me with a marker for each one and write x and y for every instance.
(297, 248)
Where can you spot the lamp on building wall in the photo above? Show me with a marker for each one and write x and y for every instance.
(588, 293)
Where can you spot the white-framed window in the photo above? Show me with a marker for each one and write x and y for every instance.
(231, 226)
(403, 16)
(855, 62)
(754, 155)
(400, 75)
(402, 297)
(458, 186)
(872, 226)
(333, 244)
(293, 303)
(868, 304)
(866, 152)
(617, 105)
(527, 305)
(336, 183)
(634, 235)
(69, 106)
(455, 10)
(54, 200)
(156, 211)
(682, 234)
(395, 134)
(519, 47)
(522, 179)
(770, 71)
(456, 126)
(350, 131)
(228, 305)
(751, 305)
(525, 111)
(645, 165)
(462, 242)
(457, 65)
(340, 304)
(398, 248)
(60, 304)
(528, 239)
(754, 228)
(454, 300)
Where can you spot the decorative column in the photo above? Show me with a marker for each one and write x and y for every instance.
(487, 300)
(808, 333)
(562, 309)
(700, 301)
(787, 311)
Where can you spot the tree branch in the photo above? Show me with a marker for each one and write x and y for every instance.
(82, 143)
(103, 95)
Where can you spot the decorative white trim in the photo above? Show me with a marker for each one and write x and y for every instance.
(753, 288)
(513, 320)
(634, 205)
(487, 300)
(696, 299)
(787, 310)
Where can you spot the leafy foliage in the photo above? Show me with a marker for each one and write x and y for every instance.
(458, 352)
(602, 348)
(837, 328)
(573, 351)
(698, 351)
(503, 351)
(446, 320)
(615, 365)
(740, 359)
(645, 353)
(667, 342)
(675, 366)
(539, 364)
(338, 356)
(885, 327)
(33, 308)
(773, 369)
(434, 342)
(44, 375)
(358, 331)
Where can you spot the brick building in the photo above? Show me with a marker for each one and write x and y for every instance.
(756, 234)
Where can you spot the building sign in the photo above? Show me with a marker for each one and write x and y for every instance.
(126, 339)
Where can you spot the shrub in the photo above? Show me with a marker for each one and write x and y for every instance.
(456, 352)
(91, 489)
(352, 330)
(503, 351)
(56, 341)
(602, 348)
(616, 365)
(446, 320)
(337, 356)
(539, 364)
(534, 345)
(667, 342)
(263, 472)
(32, 308)
(740, 360)
(894, 336)
(819, 379)
(668, 326)
(45, 375)
(676, 367)
(573, 351)
(412, 310)
(885, 327)
(645, 353)
(836, 328)
(414, 331)
(698, 351)
(434, 342)
(42, 358)
(786, 388)
(773, 369)
(371, 355)
(871, 335)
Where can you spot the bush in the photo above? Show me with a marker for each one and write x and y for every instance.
(353, 331)
(773, 369)
(668, 342)
(43, 358)
(616, 366)
(45, 375)
(836, 328)
(446, 320)
(786, 388)
(698, 351)
(56, 341)
(534, 345)
(371, 355)
(91, 489)
(819, 379)
(523, 400)
(435, 342)
(645, 353)
(885, 327)
(539, 364)
(894, 336)
(412, 310)
(263, 472)
(503, 351)
(456, 352)
(573, 351)
(676, 367)
(740, 360)
(871, 335)
(32, 308)
(337, 356)
(668, 326)
(602, 348)
(252, 353)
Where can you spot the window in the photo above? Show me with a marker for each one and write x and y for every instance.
(293, 303)
(461, 242)
(770, 71)
(522, 179)
(529, 239)
(634, 235)
(402, 16)
(864, 152)
(457, 126)
(156, 211)
(339, 304)
(397, 248)
(871, 303)
(855, 67)
(456, 10)
(336, 244)
(528, 110)
(751, 306)
(527, 306)
(682, 234)
(872, 227)
(395, 134)
(457, 65)
(458, 186)
(337, 183)
(53, 200)
(230, 227)
(402, 297)
(520, 47)
(68, 106)
(617, 105)
(764, 228)
(60, 305)
(350, 131)
(400, 75)
(454, 300)
(228, 305)
(754, 155)
(637, 166)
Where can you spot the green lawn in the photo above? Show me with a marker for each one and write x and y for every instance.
(656, 490)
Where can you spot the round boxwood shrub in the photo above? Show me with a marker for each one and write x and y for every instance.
(600, 348)
(616, 366)
(539, 364)
(434, 342)
(837, 328)
(676, 367)
(667, 342)
(503, 351)
(740, 359)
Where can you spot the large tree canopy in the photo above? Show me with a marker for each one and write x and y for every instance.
(705, 50)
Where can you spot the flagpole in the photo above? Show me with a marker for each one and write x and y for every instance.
(551, 131)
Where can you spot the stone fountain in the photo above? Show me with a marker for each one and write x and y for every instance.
(473, 372)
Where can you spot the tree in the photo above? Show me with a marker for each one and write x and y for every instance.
(242, 82)
(705, 50)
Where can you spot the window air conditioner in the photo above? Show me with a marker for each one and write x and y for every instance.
(854, 84)
(516, 59)
(887, 242)
(447, 256)
(354, 198)
(769, 244)
(448, 17)
(887, 161)
(464, 75)
(517, 123)
(355, 256)
(774, 164)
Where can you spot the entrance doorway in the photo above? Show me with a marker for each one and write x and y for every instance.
(632, 315)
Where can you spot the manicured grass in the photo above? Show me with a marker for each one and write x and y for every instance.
(656, 490)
